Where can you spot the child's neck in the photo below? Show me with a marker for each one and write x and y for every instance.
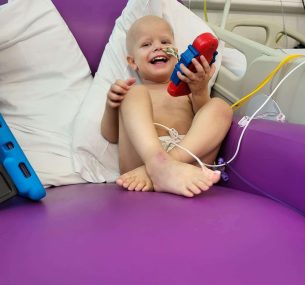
(155, 85)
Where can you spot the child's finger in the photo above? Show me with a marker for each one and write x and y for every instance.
(197, 65)
(118, 89)
(115, 97)
(187, 73)
(204, 63)
(130, 81)
(183, 77)
(125, 83)
(212, 69)
(122, 84)
(113, 104)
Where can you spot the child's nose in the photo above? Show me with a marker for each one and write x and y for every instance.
(157, 48)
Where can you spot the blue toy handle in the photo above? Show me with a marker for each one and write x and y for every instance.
(185, 58)
(17, 166)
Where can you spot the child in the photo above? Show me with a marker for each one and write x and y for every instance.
(147, 160)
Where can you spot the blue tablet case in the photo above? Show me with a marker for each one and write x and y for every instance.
(7, 187)
(16, 168)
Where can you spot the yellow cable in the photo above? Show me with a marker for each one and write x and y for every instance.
(205, 11)
(241, 101)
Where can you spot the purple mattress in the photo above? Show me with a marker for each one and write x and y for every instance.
(101, 234)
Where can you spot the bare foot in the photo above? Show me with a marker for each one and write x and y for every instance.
(137, 180)
(179, 178)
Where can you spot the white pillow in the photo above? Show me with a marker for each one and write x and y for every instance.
(94, 158)
(235, 61)
(43, 80)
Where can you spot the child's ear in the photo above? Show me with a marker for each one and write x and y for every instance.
(131, 62)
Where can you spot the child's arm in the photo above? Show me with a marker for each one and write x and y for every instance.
(198, 81)
(110, 119)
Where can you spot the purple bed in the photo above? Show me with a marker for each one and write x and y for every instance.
(101, 234)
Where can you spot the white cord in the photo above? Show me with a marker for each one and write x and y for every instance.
(174, 135)
(173, 132)
(259, 109)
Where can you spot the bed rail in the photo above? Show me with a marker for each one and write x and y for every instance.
(261, 60)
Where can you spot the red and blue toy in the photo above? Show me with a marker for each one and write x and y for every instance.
(206, 45)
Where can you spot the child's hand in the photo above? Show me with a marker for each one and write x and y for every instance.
(117, 92)
(199, 79)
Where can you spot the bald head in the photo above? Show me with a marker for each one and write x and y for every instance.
(141, 26)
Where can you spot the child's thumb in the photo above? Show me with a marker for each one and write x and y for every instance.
(130, 81)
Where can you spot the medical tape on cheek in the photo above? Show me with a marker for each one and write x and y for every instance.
(171, 51)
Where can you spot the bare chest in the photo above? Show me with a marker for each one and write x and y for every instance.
(174, 112)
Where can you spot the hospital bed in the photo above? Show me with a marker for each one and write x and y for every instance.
(260, 60)
(233, 234)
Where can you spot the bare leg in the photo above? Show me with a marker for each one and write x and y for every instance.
(137, 131)
(204, 138)
(209, 127)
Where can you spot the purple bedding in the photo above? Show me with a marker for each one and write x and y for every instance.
(271, 161)
(101, 234)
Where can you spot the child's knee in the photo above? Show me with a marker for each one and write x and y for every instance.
(137, 91)
(137, 96)
(223, 108)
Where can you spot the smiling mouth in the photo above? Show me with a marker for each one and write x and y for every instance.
(159, 59)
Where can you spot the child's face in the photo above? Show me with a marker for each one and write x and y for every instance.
(147, 56)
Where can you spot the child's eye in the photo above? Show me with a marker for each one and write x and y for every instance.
(166, 42)
(145, 45)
